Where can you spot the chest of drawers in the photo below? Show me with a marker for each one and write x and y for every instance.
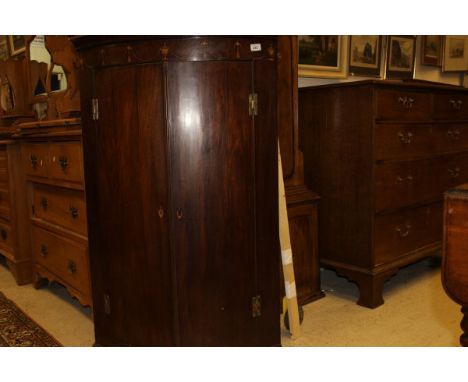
(52, 160)
(381, 154)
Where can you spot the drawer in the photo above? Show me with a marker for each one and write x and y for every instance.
(400, 184)
(451, 106)
(63, 257)
(4, 203)
(396, 235)
(403, 105)
(6, 239)
(400, 141)
(66, 161)
(34, 158)
(60, 206)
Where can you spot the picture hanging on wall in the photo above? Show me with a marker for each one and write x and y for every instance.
(4, 54)
(455, 54)
(400, 57)
(431, 50)
(323, 56)
(365, 55)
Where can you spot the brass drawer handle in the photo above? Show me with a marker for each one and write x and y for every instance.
(407, 102)
(63, 160)
(73, 212)
(454, 135)
(403, 232)
(71, 267)
(44, 203)
(400, 179)
(4, 234)
(405, 138)
(179, 214)
(161, 212)
(455, 173)
(44, 250)
(33, 159)
(456, 104)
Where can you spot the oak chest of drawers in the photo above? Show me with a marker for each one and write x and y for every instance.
(381, 154)
(52, 160)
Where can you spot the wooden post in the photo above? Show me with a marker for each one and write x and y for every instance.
(286, 257)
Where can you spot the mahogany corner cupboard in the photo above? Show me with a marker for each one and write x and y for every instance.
(180, 151)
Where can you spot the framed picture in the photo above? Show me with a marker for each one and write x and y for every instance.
(431, 50)
(455, 54)
(17, 44)
(323, 56)
(400, 57)
(4, 54)
(365, 54)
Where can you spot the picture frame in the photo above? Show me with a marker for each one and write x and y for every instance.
(4, 50)
(365, 56)
(455, 54)
(400, 57)
(431, 50)
(17, 44)
(323, 56)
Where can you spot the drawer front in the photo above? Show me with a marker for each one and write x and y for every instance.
(66, 161)
(63, 257)
(403, 105)
(400, 184)
(6, 239)
(396, 235)
(400, 141)
(60, 206)
(4, 203)
(34, 157)
(451, 106)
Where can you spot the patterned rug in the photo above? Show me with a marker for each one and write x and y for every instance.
(17, 329)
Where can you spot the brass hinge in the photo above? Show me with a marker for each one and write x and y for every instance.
(256, 306)
(253, 104)
(107, 305)
(95, 108)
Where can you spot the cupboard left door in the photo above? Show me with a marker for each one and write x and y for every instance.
(127, 198)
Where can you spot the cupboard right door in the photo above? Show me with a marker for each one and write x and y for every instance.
(212, 164)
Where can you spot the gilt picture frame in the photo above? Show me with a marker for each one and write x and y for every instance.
(365, 56)
(400, 57)
(455, 54)
(323, 56)
(431, 50)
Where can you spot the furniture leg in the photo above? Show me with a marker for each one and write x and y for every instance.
(464, 326)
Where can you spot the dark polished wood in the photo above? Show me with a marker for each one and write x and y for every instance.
(14, 233)
(302, 215)
(301, 203)
(190, 233)
(454, 254)
(380, 154)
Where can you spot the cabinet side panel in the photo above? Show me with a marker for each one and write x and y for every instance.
(127, 208)
(338, 159)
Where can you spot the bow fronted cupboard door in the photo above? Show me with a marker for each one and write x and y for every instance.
(180, 149)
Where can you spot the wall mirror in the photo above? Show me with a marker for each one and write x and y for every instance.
(53, 68)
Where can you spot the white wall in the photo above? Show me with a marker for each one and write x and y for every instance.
(422, 72)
